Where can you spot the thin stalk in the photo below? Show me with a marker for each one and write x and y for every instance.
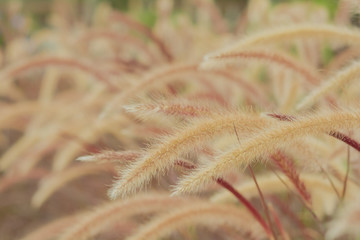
(331, 182)
(347, 174)
(247, 204)
(239, 196)
(300, 198)
(266, 209)
(261, 195)
(283, 233)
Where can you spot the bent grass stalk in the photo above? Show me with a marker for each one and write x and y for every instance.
(298, 31)
(158, 159)
(108, 214)
(336, 82)
(131, 156)
(38, 62)
(56, 180)
(53, 229)
(238, 195)
(50, 117)
(204, 214)
(342, 137)
(267, 143)
(216, 61)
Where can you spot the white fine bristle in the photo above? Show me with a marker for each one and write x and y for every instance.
(87, 158)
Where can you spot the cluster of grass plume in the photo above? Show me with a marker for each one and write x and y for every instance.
(209, 124)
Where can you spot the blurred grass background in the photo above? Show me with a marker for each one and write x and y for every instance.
(36, 12)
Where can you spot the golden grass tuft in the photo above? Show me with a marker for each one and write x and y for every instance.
(159, 159)
(98, 96)
(267, 143)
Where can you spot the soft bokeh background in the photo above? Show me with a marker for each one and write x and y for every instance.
(30, 15)
(22, 23)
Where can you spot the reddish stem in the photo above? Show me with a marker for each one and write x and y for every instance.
(247, 204)
(342, 137)
(283, 233)
(286, 165)
(347, 173)
(346, 139)
(59, 61)
(262, 198)
(239, 196)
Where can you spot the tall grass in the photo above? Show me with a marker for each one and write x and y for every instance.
(250, 118)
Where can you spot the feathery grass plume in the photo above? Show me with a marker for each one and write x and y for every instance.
(43, 61)
(294, 31)
(58, 81)
(174, 70)
(56, 180)
(179, 109)
(108, 214)
(267, 143)
(287, 167)
(111, 156)
(342, 137)
(88, 135)
(336, 82)
(260, 55)
(205, 214)
(53, 229)
(161, 157)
